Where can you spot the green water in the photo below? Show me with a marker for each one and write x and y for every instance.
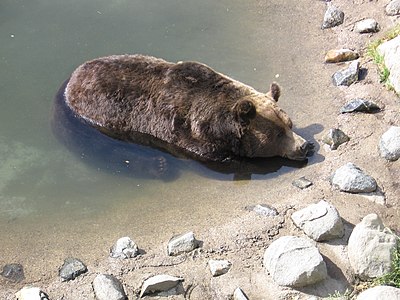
(43, 41)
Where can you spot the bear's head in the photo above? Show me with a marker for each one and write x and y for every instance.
(266, 130)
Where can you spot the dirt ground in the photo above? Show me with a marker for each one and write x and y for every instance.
(244, 238)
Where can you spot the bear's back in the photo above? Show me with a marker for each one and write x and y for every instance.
(186, 104)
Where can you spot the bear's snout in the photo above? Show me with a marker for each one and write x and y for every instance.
(300, 149)
(307, 148)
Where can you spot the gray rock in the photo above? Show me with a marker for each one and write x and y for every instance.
(302, 183)
(389, 144)
(265, 210)
(334, 138)
(13, 272)
(340, 55)
(31, 293)
(107, 287)
(366, 26)
(124, 248)
(360, 105)
(390, 51)
(239, 295)
(350, 178)
(159, 283)
(182, 243)
(71, 269)
(219, 267)
(370, 248)
(347, 76)
(320, 221)
(333, 16)
(393, 8)
(380, 292)
(294, 261)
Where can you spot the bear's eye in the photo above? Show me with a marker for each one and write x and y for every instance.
(280, 134)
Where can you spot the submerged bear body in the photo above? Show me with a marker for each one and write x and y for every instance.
(187, 107)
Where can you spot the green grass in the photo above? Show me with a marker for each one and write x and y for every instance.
(393, 277)
(378, 59)
(337, 295)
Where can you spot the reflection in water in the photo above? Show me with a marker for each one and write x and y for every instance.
(146, 160)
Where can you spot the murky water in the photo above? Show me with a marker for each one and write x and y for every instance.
(49, 194)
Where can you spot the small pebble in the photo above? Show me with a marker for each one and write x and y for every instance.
(347, 77)
(334, 138)
(182, 243)
(340, 55)
(264, 210)
(124, 248)
(333, 17)
(302, 183)
(31, 293)
(71, 269)
(107, 287)
(239, 295)
(360, 105)
(366, 26)
(13, 272)
(159, 283)
(219, 267)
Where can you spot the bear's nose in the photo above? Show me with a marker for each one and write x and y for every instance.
(307, 148)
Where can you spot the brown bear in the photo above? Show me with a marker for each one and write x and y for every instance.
(185, 105)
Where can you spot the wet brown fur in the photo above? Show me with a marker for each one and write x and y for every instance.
(185, 104)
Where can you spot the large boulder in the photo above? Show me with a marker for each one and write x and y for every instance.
(370, 248)
(393, 8)
(294, 261)
(380, 292)
(389, 144)
(350, 178)
(320, 221)
(390, 51)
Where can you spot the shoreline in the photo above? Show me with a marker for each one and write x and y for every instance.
(244, 238)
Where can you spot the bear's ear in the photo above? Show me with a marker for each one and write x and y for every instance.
(244, 111)
(274, 91)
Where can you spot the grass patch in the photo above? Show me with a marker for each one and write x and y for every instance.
(372, 51)
(393, 277)
(337, 295)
